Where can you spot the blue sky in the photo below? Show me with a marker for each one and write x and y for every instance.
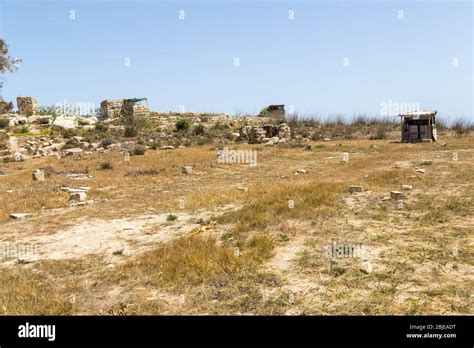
(391, 56)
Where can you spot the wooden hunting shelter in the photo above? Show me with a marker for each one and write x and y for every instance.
(419, 126)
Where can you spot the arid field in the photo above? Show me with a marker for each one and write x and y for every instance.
(231, 238)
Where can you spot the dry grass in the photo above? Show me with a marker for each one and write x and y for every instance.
(259, 256)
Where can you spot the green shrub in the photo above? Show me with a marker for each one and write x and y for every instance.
(4, 123)
(22, 130)
(171, 217)
(101, 127)
(72, 143)
(199, 129)
(5, 107)
(182, 125)
(264, 111)
(220, 126)
(106, 166)
(138, 150)
(130, 132)
(105, 143)
(67, 133)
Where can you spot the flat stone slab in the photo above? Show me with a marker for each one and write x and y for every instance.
(19, 215)
(38, 175)
(187, 169)
(74, 190)
(356, 188)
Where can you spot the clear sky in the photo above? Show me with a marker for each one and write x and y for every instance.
(325, 57)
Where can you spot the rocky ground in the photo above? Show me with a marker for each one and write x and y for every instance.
(342, 226)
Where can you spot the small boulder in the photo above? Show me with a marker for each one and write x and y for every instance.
(187, 169)
(19, 215)
(366, 267)
(38, 175)
(78, 196)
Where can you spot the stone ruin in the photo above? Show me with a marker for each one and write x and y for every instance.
(111, 108)
(26, 106)
(269, 134)
(133, 107)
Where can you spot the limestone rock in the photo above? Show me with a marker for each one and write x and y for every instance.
(38, 175)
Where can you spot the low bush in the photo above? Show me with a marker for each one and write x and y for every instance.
(182, 125)
(130, 132)
(106, 165)
(105, 143)
(4, 123)
(199, 129)
(138, 150)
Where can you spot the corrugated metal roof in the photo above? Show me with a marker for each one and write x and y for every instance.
(418, 113)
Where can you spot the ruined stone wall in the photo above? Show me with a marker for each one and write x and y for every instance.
(130, 109)
(169, 119)
(268, 133)
(111, 108)
(26, 106)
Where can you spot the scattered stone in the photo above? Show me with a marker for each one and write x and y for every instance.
(78, 196)
(168, 147)
(38, 175)
(397, 165)
(73, 151)
(269, 134)
(396, 195)
(309, 147)
(19, 215)
(78, 176)
(327, 139)
(407, 187)
(117, 252)
(422, 171)
(76, 204)
(356, 188)
(79, 189)
(187, 169)
(366, 267)
(128, 228)
(301, 171)
(23, 260)
(426, 162)
(244, 189)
